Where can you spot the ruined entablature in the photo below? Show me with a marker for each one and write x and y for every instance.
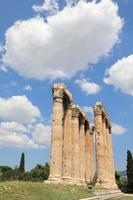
(99, 109)
(60, 91)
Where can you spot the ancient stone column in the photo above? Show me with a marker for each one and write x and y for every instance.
(99, 139)
(112, 168)
(92, 167)
(67, 144)
(106, 150)
(75, 144)
(82, 150)
(89, 148)
(57, 135)
(87, 151)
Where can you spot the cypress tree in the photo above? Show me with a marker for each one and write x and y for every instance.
(129, 172)
(22, 163)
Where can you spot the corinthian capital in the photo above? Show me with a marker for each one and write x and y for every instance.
(57, 93)
(75, 111)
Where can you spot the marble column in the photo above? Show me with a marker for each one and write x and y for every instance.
(82, 150)
(99, 139)
(106, 150)
(87, 151)
(92, 167)
(57, 136)
(75, 144)
(89, 148)
(112, 168)
(67, 144)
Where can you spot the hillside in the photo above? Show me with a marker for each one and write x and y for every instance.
(37, 191)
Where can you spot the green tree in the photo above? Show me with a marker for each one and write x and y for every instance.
(129, 172)
(4, 169)
(22, 163)
(117, 176)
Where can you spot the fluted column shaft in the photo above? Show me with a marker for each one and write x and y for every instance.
(106, 150)
(112, 169)
(67, 145)
(57, 137)
(100, 158)
(91, 153)
(89, 147)
(75, 145)
(82, 151)
(87, 151)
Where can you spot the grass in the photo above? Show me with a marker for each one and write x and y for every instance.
(40, 191)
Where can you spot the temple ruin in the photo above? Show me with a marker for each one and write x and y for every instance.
(79, 149)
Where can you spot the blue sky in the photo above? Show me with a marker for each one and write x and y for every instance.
(86, 45)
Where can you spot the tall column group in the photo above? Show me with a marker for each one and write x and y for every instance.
(71, 153)
(72, 143)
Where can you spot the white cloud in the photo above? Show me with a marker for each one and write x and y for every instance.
(3, 68)
(64, 44)
(118, 129)
(50, 6)
(88, 109)
(28, 88)
(88, 87)
(14, 127)
(13, 139)
(17, 128)
(1, 48)
(19, 109)
(120, 75)
(14, 134)
(42, 134)
(71, 2)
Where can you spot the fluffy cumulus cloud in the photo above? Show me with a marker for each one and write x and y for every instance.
(42, 134)
(1, 48)
(88, 87)
(120, 75)
(13, 134)
(118, 129)
(64, 43)
(13, 127)
(17, 129)
(19, 109)
(51, 6)
(88, 109)
(13, 139)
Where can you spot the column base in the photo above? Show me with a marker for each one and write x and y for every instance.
(107, 185)
(55, 178)
(67, 180)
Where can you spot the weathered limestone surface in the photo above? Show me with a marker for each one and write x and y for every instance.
(57, 136)
(92, 166)
(104, 153)
(75, 145)
(89, 148)
(106, 150)
(72, 143)
(82, 150)
(99, 138)
(112, 169)
(67, 145)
